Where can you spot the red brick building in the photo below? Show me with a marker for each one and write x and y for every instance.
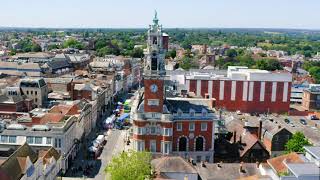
(247, 90)
(163, 125)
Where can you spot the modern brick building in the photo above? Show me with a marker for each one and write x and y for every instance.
(247, 90)
(177, 125)
(311, 97)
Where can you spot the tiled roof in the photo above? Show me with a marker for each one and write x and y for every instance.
(277, 162)
(51, 118)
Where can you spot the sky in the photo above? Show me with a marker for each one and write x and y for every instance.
(301, 14)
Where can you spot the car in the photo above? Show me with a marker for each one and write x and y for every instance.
(286, 120)
(303, 121)
(239, 112)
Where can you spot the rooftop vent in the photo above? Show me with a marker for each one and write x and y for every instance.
(16, 127)
(40, 128)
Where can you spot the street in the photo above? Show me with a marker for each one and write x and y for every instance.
(115, 145)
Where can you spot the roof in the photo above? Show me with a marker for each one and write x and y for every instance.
(303, 169)
(247, 139)
(14, 166)
(277, 162)
(52, 118)
(173, 164)
(185, 104)
(10, 99)
(227, 171)
(314, 150)
(56, 64)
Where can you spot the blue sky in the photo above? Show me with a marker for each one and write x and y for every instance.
(172, 13)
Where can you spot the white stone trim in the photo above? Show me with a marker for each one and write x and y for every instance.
(233, 90)
(274, 92)
(210, 89)
(187, 148)
(251, 86)
(204, 142)
(262, 90)
(198, 87)
(245, 91)
(285, 92)
(221, 92)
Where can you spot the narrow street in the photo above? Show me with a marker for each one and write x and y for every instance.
(115, 145)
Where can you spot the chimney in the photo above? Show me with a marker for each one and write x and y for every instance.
(260, 130)
(234, 136)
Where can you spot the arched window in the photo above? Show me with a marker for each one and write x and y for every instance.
(199, 144)
(183, 144)
(154, 61)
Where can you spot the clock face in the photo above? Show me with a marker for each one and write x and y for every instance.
(154, 88)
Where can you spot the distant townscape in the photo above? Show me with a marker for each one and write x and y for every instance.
(156, 103)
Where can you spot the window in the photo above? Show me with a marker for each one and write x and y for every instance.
(59, 143)
(55, 143)
(36, 92)
(153, 130)
(207, 158)
(12, 139)
(36, 100)
(31, 92)
(192, 113)
(179, 126)
(30, 140)
(140, 131)
(204, 113)
(4, 139)
(203, 126)
(140, 145)
(38, 140)
(191, 126)
(166, 149)
(27, 92)
(166, 131)
(49, 139)
(153, 146)
(198, 158)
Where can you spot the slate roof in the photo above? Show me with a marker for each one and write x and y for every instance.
(184, 104)
(10, 99)
(227, 171)
(14, 167)
(56, 64)
(173, 164)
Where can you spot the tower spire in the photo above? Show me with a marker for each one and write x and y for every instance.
(155, 19)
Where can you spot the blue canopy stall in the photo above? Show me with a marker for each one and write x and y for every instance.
(123, 117)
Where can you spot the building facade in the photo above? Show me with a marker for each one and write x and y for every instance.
(247, 90)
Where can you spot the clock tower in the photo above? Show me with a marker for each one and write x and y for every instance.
(154, 68)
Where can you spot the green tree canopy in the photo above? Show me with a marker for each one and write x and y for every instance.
(137, 53)
(231, 53)
(296, 143)
(130, 165)
(268, 64)
(73, 43)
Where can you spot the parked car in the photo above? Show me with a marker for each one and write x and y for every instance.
(303, 121)
(286, 120)
(239, 112)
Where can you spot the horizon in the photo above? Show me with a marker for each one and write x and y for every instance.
(125, 14)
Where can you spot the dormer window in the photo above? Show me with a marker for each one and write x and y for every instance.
(192, 113)
(204, 113)
(179, 112)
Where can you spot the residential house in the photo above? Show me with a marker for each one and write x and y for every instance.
(27, 164)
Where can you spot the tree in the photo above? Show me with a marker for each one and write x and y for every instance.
(171, 54)
(231, 53)
(73, 43)
(315, 73)
(130, 165)
(36, 48)
(296, 143)
(137, 53)
(268, 64)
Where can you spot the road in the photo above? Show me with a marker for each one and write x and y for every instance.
(115, 145)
